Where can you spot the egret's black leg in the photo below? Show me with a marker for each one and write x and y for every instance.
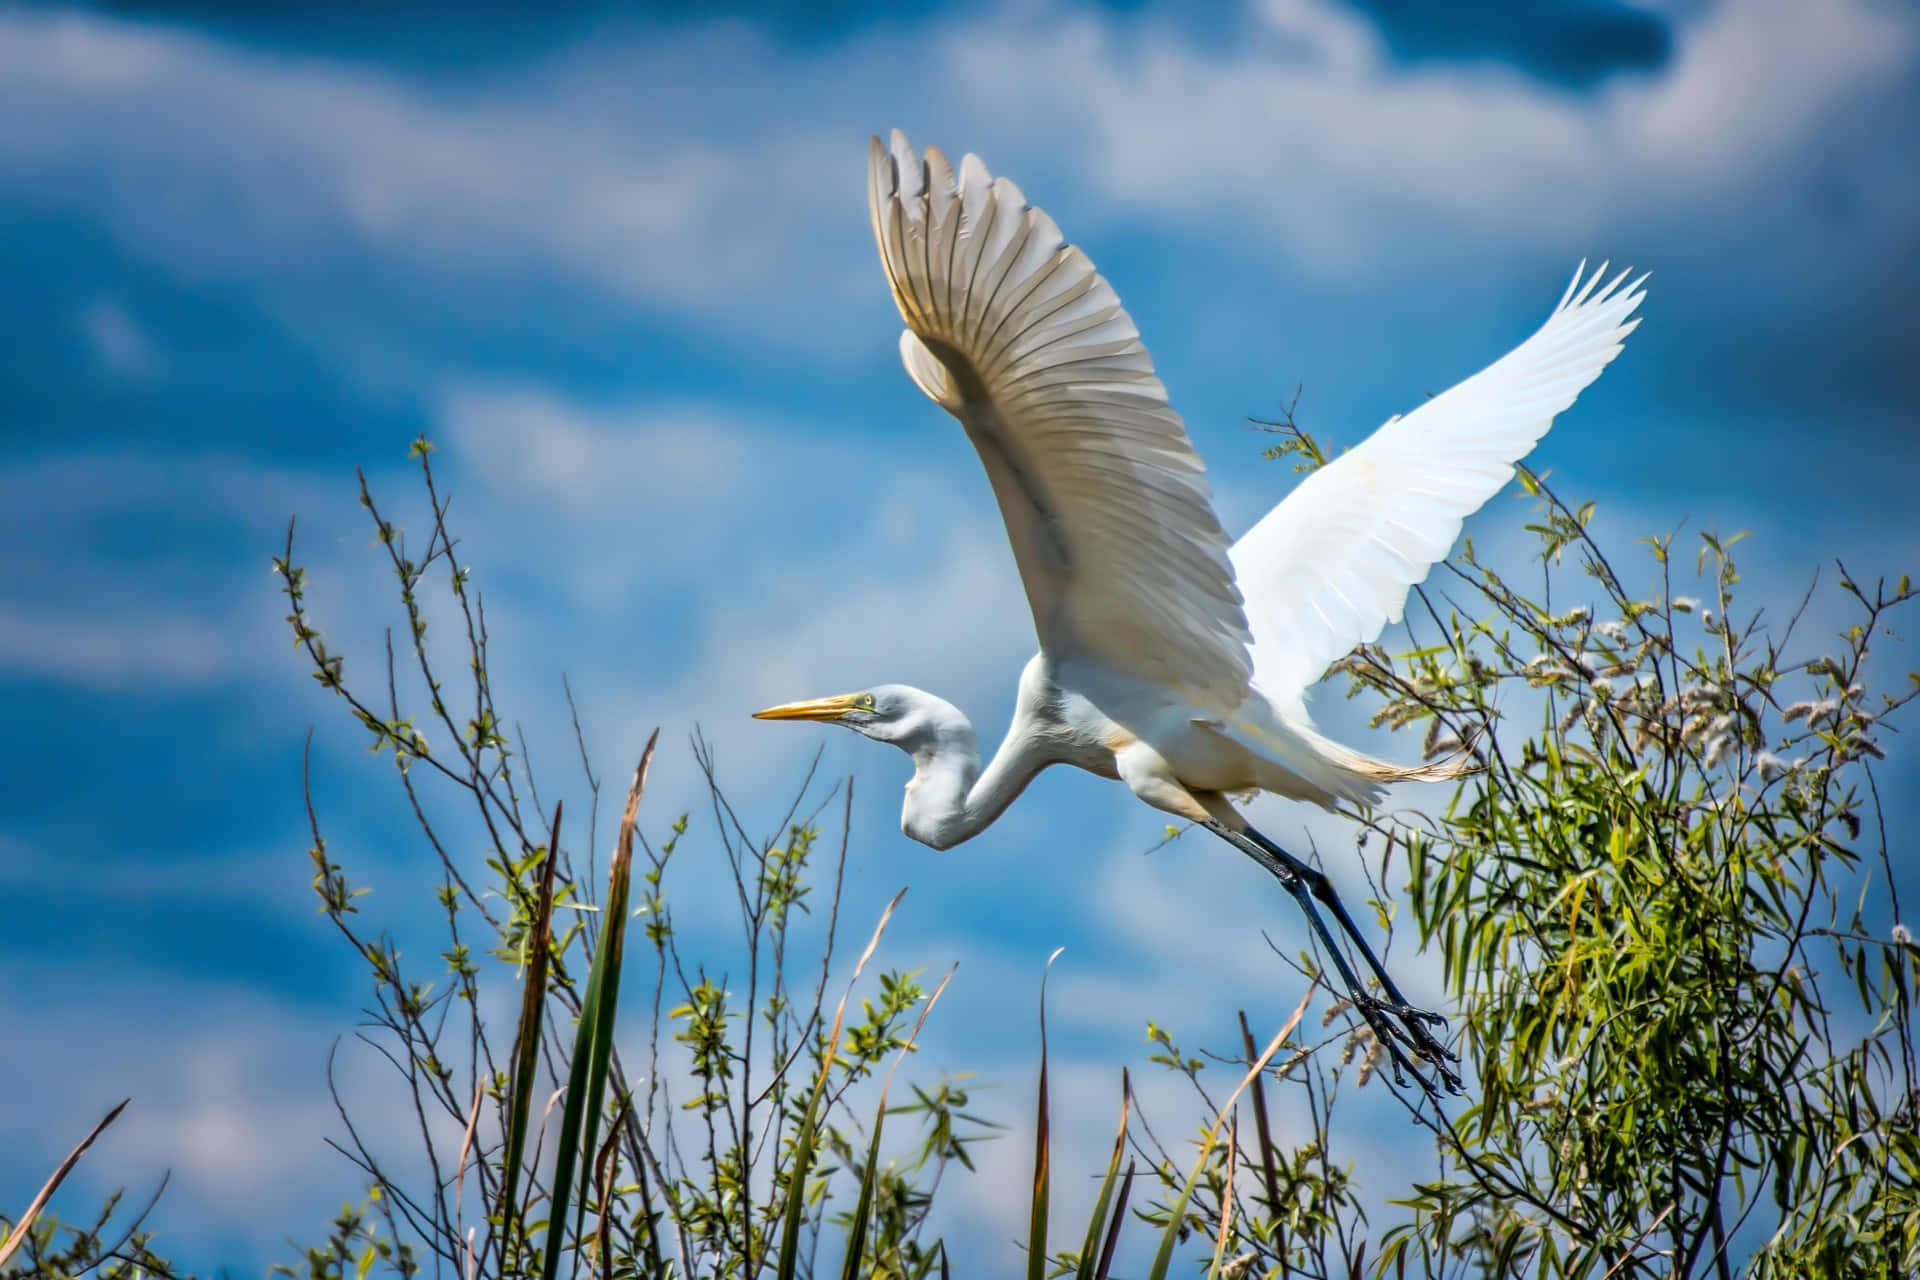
(1322, 888)
(1305, 883)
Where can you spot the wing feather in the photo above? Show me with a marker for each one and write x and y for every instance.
(1332, 565)
(1106, 504)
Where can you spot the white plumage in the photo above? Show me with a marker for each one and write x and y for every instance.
(1107, 505)
(1332, 565)
(1197, 649)
(1169, 658)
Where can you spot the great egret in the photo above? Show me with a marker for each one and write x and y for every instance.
(1169, 658)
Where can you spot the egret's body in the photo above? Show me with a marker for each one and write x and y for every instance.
(1169, 658)
(1111, 725)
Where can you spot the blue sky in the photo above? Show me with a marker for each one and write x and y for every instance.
(617, 265)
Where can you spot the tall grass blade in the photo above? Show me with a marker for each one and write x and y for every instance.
(1269, 1168)
(1163, 1259)
(460, 1169)
(611, 951)
(604, 1167)
(1042, 1174)
(1226, 1201)
(20, 1228)
(593, 1040)
(1096, 1227)
(1113, 1227)
(526, 1044)
(788, 1260)
(863, 1209)
(863, 1206)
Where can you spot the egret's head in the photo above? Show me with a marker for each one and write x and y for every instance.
(909, 718)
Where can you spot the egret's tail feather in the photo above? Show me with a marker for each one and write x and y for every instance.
(1309, 766)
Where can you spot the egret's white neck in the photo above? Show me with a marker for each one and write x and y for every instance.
(949, 798)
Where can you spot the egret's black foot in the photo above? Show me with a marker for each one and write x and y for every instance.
(1407, 1011)
(1403, 1032)
(1415, 1024)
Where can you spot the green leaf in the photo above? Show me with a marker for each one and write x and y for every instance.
(806, 1131)
(1097, 1224)
(526, 1039)
(1042, 1174)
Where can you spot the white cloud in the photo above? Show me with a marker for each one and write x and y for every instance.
(222, 161)
(228, 1093)
(958, 617)
(122, 346)
(71, 491)
(610, 500)
(611, 167)
(145, 616)
(529, 442)
(1307, 132)
(111, 648)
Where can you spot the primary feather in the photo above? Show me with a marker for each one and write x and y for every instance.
(1106, 504)
(1333, 564)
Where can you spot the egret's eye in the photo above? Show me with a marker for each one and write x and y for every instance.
(864, 703)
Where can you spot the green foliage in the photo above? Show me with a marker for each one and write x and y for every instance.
(352, 1249)
(1662, 901)
(1664, 904)
(50, 1247)
(640, 1177)
(1654, 911)
(1287, 1210)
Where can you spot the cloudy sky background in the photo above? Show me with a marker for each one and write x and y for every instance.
(617, 265)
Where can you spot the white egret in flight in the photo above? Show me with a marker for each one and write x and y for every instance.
(1171, 658)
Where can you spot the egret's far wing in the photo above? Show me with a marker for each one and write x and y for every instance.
(1106, 504)
(1330, 566)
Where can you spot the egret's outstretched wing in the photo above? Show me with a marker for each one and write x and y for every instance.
(1332, 564)
(1106, 504)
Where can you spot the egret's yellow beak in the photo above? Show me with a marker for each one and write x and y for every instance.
(812, 709)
